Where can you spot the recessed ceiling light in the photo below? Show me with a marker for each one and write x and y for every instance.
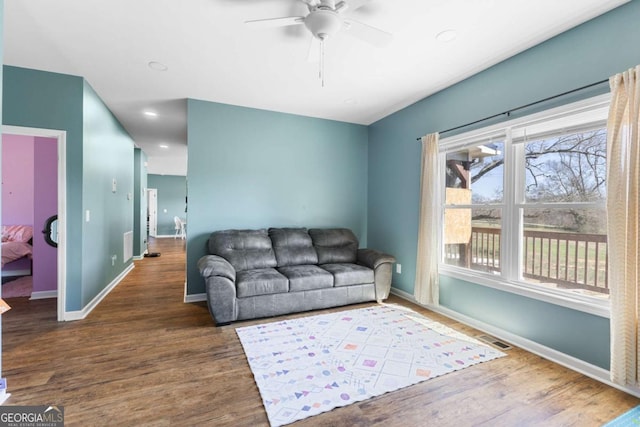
(164, 146)
(150, 113)
(446, 36)
(157, 66)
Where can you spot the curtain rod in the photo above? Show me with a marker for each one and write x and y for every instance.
(508, 113)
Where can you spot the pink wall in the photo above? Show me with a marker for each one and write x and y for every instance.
(30, 196)
(17, 179)
(45, 257)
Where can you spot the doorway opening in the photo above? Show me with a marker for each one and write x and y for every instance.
(43, 209)
(152, 212)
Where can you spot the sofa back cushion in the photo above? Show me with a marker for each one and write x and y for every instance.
(244, 249)
(293, 246)
(334, 245)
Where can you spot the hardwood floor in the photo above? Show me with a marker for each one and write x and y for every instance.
(144, 358)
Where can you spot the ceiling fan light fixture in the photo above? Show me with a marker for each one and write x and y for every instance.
(323, 23)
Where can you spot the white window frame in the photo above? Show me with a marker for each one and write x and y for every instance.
(568, 118)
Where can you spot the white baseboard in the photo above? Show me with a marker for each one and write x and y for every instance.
(195, 298)
(81, 314)
(573, 363)
(141, 257)
(44, 294)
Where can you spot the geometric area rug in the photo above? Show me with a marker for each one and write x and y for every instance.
(313, 364)
(628, 419)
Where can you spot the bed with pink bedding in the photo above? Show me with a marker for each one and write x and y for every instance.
(16, 242)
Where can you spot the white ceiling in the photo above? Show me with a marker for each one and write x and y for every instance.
(212, 55)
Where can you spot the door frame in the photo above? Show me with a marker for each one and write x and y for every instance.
(152, 219)
(61, 136)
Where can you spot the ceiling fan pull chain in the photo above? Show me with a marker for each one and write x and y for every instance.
(322, 61)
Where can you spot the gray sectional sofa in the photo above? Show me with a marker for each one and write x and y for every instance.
(260, 273)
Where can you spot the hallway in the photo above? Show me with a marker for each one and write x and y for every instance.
(141, 345)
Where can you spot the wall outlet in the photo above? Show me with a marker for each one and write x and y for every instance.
(113, 260)
(399, 268)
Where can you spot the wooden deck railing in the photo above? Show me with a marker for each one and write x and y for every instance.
(569, 260)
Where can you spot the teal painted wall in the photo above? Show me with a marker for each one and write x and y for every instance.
(589, 53)
(46, 100)
(98, 150)
(172, 191)
(139, 202)
(569, 331)
(107, 156)
(251, 168)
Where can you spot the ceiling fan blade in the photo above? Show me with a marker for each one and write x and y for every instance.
(311, 3)
(314, 50)
(353, 5)
(367, 33)
(276, 22)
(341, 6)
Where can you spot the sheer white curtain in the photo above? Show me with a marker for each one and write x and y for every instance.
(623, 215)
(426, 287)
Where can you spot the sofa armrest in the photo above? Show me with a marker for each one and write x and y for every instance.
(213, 265)
(381, 264)
(219, 277)
(373, 259)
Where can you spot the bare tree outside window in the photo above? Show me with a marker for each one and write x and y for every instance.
(567, 169)
(563, 222)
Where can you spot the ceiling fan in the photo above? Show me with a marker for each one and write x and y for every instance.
(326, 19)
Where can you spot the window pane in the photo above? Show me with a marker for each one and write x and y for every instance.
(472, 238)
(567, 168)
(566, 249)
(479, 170)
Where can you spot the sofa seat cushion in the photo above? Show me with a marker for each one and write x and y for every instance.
(346, 274)
(307, 277)
(261, 281)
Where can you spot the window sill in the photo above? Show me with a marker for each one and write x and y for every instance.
(582, 303)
